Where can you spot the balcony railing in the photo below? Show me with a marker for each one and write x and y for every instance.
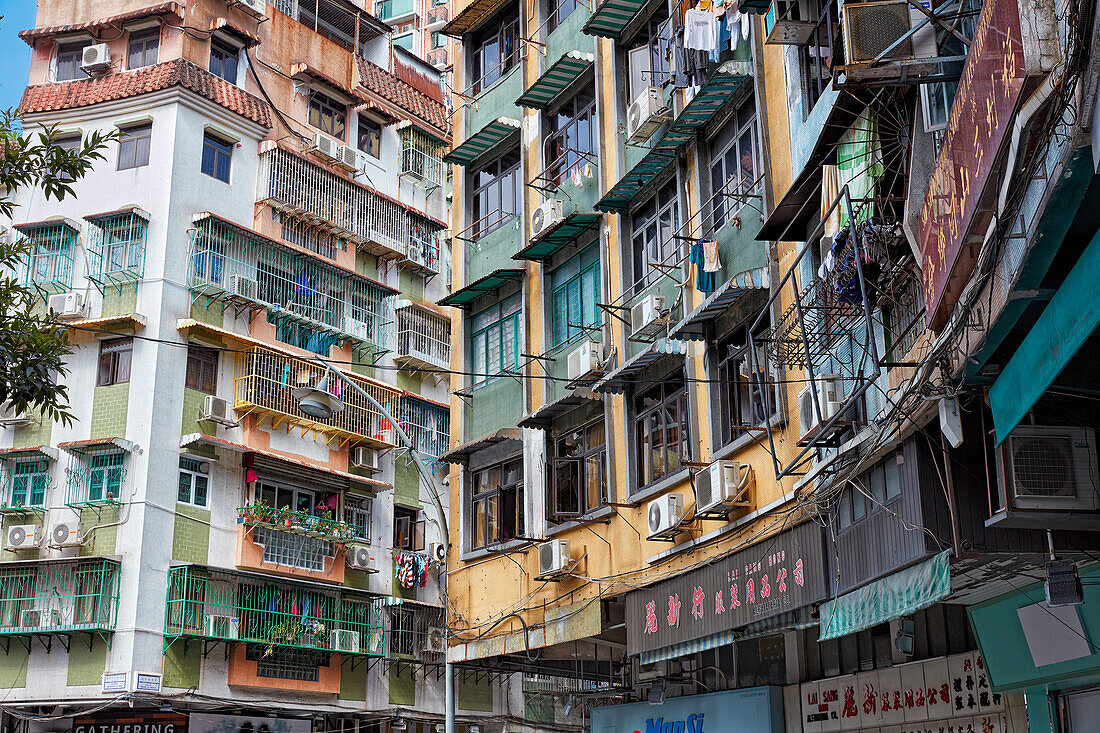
(116, 248)
(428, 425)
(423, 339)
(303, 523)
(422, 156)
(263, 382)
(216, 605)
(236, 266)
(440, 56)
(49, 260)
(58, 597)
(438, 14)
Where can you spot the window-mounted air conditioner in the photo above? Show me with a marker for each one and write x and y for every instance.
(363, 457)
(665, 514)
(829, 394)
(347, 157)
(436, 641)
(256, 8)
(217, 626)
(95, 58)
(325, 147)
(545, 217)
(67, 306)
(358, 328)
(360, 557)
(39, 618)
(22, 537)
(66, 534)
(722, 485)
(245, 287)
(585, 361)
(9, 418)
(648, 317)
(871, 28)
(554, 558)
(782, 29)
(644, 115)
(1052, 468)
(344, 640)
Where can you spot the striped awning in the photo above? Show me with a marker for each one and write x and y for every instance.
(461, 454)
(563, 234)
(617, 380)
(722, 85)
(612, 17)
(544, 416)
(799, 618)
(471, 17)
(559, 77)
(484, 141)
(463, 297)
(693, 328)
(648, 169)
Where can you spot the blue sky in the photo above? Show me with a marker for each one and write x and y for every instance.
(15, 56)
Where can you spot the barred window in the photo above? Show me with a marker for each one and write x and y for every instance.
(292, 550)
(303, 665)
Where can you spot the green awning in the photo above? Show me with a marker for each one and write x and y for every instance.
(472, 17)
(559, 77)
(1069, 319)
(894, 596)
(489, 283)
(483, 141)
(562, 234)
(618, 199)
(612, 17)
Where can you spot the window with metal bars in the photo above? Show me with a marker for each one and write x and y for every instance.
(292, 550)
(402, 632)
(422, 155)
(50, 255)
(428, 425)
(308, 236)
(116, 248)
(284, 663)
(27, 481)
(574, 292)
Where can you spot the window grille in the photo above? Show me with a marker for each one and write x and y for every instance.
(428, 425)
(423, 337)
(116, 248)
(422, 156)
(45, 598)
(26, 479)
(49, 261)
(96, 476)
(303, 665)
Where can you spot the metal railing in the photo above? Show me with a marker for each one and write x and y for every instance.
(116, 249)
(96, 477)
(223, 606)
(423, 336)
(422, 156)
(438, 14)
(24, 483)
(50, 253)
(58, 597)
(263, 381)
(299, 522)
(440, 56)
(428, 425)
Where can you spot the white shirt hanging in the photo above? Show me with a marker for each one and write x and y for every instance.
(700, 30)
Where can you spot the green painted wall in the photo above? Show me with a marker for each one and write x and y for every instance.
(412, 285)
(86, 665)
(410, 381)
(109, 405)
(402, 685)
(208, 312)
(120, 304)
(499, 100)
(539, 709)
(366, 264)
(353, 682)
(406, 483)
(473, 695)
(497, 404)
(191, 536)
(102, 541)
(192, 408)
(13, 666)
(494, 252)
(356, 579)
(182, 670)
(35, 434)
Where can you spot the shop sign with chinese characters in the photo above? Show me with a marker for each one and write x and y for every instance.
(778, 574)
(944, 695)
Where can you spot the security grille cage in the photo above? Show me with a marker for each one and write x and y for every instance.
(336, 21)
(422, 156)
(294, 551)
(96, 476)
(301, 665)
(236, 267)
(423, 336)
(263, 382)
(116, 248)
(222, 605)
(49, 260)
(309, 236)
(301, 189)
(428, 425)
(24, 482)
(411, 629)
(424, 243)
(57, 597)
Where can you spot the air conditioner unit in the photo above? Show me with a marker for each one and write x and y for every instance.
(65, 534)
(245, 287)
(347, 157)
(256, 8)
(9, 418)
(96, 58)
(360, 557)
(585, 361)
(436, 641)
(344, 640)
(1053, 468)
(357, 328)
(644, 115)
(721, 486)
(871, 28)
(67, 306)
(325, 147)
(216, 409)
(554, 558)
(217, 626)
(545, 216)
(829, 394)
(39, 618)
(781, 29)
(363, 457)
(23, 537)
(665, 514)
(416, 254)
(648, 317)
(437, 551)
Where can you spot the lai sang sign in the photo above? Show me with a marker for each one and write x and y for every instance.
(981, 118)
(778, 574)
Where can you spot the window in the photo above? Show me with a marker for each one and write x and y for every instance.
(495, 339)
(327, 115)
(559, 11)
(648, 54)
(293, 550)
(652, 225)
(29, 479)
(202, 369)
(223, 60)
(661, 424)
(116, 247)
(741, 386)
(497, 503)
(369, 137)
(870, 493)
(216, 157)
(133, 148)
(408, 530)
(357, 512)
(292, 498)
(494, 51)
(70, 144)
(287, 663)
(818, 55)
(496, 193)
(69, 58)
(574, 290)
(579, 482)
(51, 255)
(144, 48)
(193, 481)
(734, 165)
(105, 476)
(438, 39)
(402, 632)
(114, 361)
(570, 136)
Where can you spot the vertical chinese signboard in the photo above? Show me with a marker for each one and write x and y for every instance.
(781, 573)
(981, 117)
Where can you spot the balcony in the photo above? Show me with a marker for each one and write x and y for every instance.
(247, 271)
(299, 523)
(440, 57)
(422, 157)
(438, 15)
(221, 606)
(58, 598)
(427, 423)
(263, 382)
(423, 339)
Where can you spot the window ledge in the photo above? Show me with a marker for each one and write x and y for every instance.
(594, 516)
(658, 487)
(497, 82)
(752, 438)
(501, 549)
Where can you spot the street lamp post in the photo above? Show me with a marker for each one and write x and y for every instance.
(318, 402)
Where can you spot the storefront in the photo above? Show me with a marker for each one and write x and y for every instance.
(753, 710)
(129, 720)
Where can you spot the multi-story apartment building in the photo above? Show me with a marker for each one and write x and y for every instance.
(417, 25)
(774, 333)
(197, 540)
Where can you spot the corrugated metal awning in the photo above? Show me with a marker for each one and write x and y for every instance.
(645, 172)
(799, 618)
(464, 296)
(484, 141)
(617, 381)
(693, 328)
(462, 453)
(611, 17)
(471, 17)
(562, 234)
(42, 450)
(96, 445)
(559, 77)
(545, 415)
